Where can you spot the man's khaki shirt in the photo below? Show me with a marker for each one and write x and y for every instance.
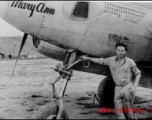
(120, 72)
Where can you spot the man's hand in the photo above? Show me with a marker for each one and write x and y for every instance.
(133, 90)
(132, 96)
(84, 57)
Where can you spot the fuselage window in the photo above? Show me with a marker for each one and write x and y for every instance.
(81, 9)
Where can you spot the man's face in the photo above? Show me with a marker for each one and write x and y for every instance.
(120, 51)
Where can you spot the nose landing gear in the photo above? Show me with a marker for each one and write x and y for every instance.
(65, 72)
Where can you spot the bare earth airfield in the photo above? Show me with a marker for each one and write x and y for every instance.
(29, 90)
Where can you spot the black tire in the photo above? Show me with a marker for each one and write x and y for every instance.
(106, 92)
(48, 111)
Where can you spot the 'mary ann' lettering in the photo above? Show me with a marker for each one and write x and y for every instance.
(27, 6)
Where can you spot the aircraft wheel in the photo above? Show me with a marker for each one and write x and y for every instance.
(106, 92)
(50, 112)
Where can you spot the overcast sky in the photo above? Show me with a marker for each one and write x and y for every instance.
(8, 30)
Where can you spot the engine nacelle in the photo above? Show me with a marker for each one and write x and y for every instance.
(58, 53)
(49, 50)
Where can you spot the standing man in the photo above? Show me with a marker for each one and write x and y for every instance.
(121, 68)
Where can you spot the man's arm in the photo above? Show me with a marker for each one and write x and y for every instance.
(101, 61)
(137, 73)
(95, 60)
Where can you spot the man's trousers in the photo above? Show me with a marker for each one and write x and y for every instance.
(123, 99)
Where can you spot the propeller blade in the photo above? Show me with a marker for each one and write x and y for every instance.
(21, 47)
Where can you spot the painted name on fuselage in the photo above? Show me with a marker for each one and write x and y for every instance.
(118, 38)
(28, 6)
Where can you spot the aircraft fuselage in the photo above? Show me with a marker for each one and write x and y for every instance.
(94, 33)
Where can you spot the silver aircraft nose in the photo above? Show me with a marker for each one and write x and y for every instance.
(3, 8)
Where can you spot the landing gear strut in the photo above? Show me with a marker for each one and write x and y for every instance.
(65, 73)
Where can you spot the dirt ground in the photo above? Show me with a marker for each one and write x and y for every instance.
(29, 90)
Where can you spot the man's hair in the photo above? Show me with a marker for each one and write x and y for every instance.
(121, 44)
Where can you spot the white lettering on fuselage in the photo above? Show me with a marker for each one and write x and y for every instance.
(28, 6)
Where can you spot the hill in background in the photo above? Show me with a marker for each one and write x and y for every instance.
(11, 46)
